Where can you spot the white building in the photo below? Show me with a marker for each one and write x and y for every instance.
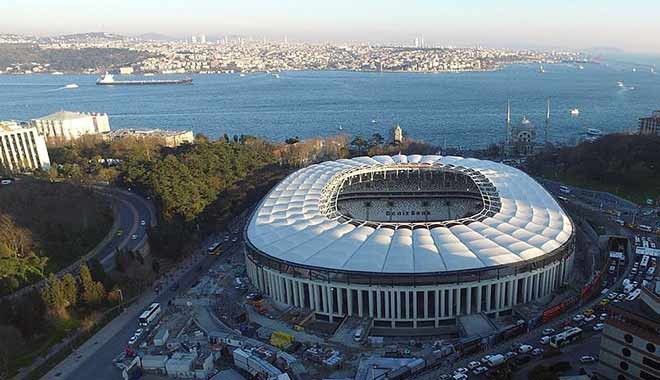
(21, 147)
(309, 246)
(66, 125)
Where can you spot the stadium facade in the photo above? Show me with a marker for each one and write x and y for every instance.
(409, 241)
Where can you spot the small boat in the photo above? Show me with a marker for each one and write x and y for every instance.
(634, 69)
(148, 74)
(341, 128)
(541, 69)
(58, 73)
(241, 75)
(620, 84)
(373, 121)
(575, 112)
(580, 67)
(71, 85)
(594, 132)
(276, 75)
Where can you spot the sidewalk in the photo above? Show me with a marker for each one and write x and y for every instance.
(64, 369)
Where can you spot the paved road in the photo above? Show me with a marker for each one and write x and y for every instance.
(93, 360)
(132, 211)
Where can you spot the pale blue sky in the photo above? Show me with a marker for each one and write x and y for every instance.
(630, 25)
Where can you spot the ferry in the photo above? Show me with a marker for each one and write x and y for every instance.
(575, 112)
(108, 79)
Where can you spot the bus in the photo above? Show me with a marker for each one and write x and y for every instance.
(645, 228)
(151, 314)
(215, 248)
(566, 337)
(644, 263)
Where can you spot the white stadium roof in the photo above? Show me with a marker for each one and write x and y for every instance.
(289, 225)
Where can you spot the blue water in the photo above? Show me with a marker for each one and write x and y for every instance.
(456, 109)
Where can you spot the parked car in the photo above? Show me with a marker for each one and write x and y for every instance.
(544, 339)
(548, 331)
(603, 316)
(525, 348)
(510, 355)
(460, 370)
(589, 318)
(578, 317)
(134, 237)
(132, 340)
(537, 351)
(587, 359)
(143, 223)
(599, 326)
(473, 365)
(479, 370)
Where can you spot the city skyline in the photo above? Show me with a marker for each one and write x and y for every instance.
(511, 23)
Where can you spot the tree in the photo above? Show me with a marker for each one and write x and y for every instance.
(376, 140)
(53, 296)
(292, 140)
(70, 288)
(92, 291)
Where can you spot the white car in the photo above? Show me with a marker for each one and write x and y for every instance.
(134, 237)
(537, 351)
(599, 326)
(603, 316)
(473, 365)
(143, 223)
(612, 295)
(578, 317)
(485, 359)
(544, 340)
(589, 318)
(460, 370)
(479, 370)
(132, 340)
(548, 331)
(587, 359)
(525, 348)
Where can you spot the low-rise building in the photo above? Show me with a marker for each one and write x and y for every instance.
(22, 148)
(67, 125)
(167, 138)
(630, 340)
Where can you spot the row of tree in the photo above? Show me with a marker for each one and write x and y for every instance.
(59, 295)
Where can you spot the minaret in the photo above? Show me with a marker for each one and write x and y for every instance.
(507, 140)
(547, 120)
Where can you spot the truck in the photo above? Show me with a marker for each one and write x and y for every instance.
(495, 360)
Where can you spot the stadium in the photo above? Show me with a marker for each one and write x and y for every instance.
(408, 241)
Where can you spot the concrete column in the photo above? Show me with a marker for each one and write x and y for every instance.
(360, 305)
(387, 304)
(414, 307)
(489, 304)
(287, 288)
(498, 296)
(406, 305)
(479, 298)
(379, 304)
(458, 301)
(450, 302)
(515, 292)
(426, 304)
(301, 293)
(317, 297)
(468, 300)
(397, 305)
(442, 303)
(294, 292)
(340, 301)
(331, 301)
(349, 301)
(511, 284)
(437, 306)
(371, 304)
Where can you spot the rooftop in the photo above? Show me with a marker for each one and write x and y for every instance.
(292, 225)
(64, 115)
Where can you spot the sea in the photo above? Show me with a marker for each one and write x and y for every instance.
(465, 110)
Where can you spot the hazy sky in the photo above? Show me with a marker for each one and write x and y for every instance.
(630, 25)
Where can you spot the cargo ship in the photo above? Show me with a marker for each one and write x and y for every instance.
(108, 79)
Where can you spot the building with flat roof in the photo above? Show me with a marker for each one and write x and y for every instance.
(22, 148)
(409, 241)
(631, 339)
(650, 125)
(67, 125)
(168, 138)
